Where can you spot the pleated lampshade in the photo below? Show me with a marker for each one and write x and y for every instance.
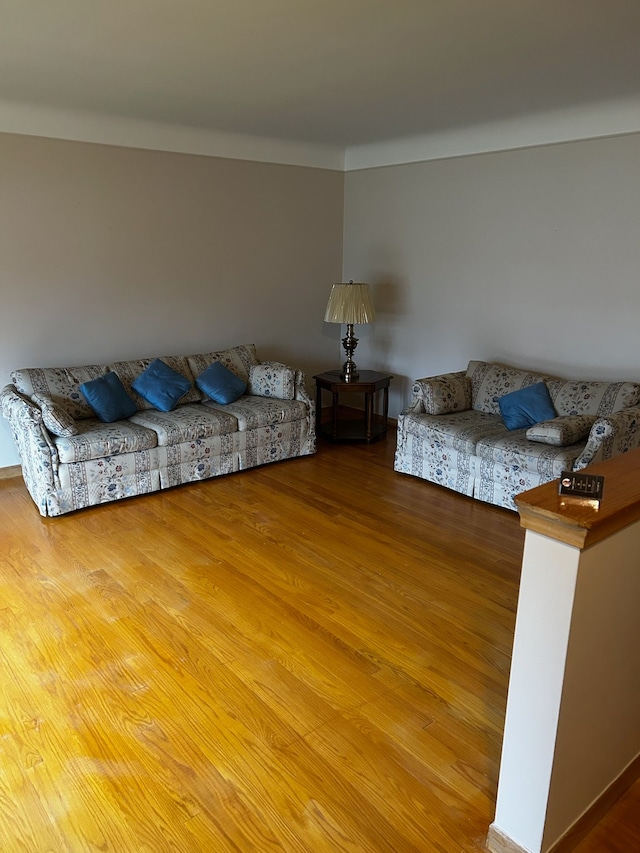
(350, 303)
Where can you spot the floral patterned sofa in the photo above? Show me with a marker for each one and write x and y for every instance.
(70, 459)
(453, 432)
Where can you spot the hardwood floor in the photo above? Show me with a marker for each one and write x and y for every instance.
(310, 656)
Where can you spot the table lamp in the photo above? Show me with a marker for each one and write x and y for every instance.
(350, 303)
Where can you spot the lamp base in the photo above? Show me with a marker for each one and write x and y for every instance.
(349, 368)
(349, 373)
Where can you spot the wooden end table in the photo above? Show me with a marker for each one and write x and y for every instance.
(373, 425)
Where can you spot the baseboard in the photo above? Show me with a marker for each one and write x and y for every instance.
(498, 842)
(598, 809)
(10, 472)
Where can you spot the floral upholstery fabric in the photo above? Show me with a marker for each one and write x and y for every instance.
(611, 436)
(272, 379)
(440, 395)
(237, 359)
(151, 450)
(515, 451)
(473, 453)
(38, 455)
(274, 443)
(499, 484)
(55, 418)
(563, 430)
(60, 384)
(252, 412)
(490, 381)
(98, 439)
(199, 459)
(432, 461)
(593, 398)
(185, 423)
(108, 478)
(128, 371)
(460, 430)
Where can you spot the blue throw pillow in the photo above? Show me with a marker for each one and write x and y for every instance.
(108, 398)
(161, 385)
(221, 384)
(527, 407)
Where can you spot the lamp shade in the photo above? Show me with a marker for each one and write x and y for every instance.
(350, 303)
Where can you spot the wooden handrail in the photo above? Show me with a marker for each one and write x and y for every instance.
(577, 523)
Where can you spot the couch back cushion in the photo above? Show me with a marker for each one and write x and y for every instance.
(448, 392)
(60, 384)
(236, 359)
(128, 371)
(490, 381)
(598, 399)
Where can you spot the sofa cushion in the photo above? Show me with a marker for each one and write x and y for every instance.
(55, 418)
(272, 379)
(186, 423)
(252, 412)
(449, 392)
(97, 439)
(129, 370)
(107, 397)
(561, 431)
(526, 407)
(61, 384)
(220, 384)
(458, 430)
(515, 451)
(593, 398)
(490, 382)
(237, 359)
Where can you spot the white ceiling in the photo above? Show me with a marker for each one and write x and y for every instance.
(330, 72)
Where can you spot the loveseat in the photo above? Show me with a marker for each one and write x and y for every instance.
(71, 459)
(453, 432)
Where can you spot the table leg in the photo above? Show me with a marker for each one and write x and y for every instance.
(385, 408)
(368, 413)
(318, 408)
(334, 413)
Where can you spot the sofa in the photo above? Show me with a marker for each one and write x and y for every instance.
(453, 431)
(72, 459)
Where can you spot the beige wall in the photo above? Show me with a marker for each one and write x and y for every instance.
(109, 252)
(531, 257)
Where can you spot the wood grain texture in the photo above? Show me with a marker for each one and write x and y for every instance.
(309, 656)
(577, 522)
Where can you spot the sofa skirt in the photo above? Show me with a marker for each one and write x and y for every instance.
(432, 461)
(97, 481)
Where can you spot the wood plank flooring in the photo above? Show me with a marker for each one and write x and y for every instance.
(310, 656)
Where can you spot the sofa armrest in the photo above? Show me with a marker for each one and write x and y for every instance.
(37, 452)
(415, 407)
(611, 436)
(301, 391)
(302, 394)
(439, 395)
(22, 414)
